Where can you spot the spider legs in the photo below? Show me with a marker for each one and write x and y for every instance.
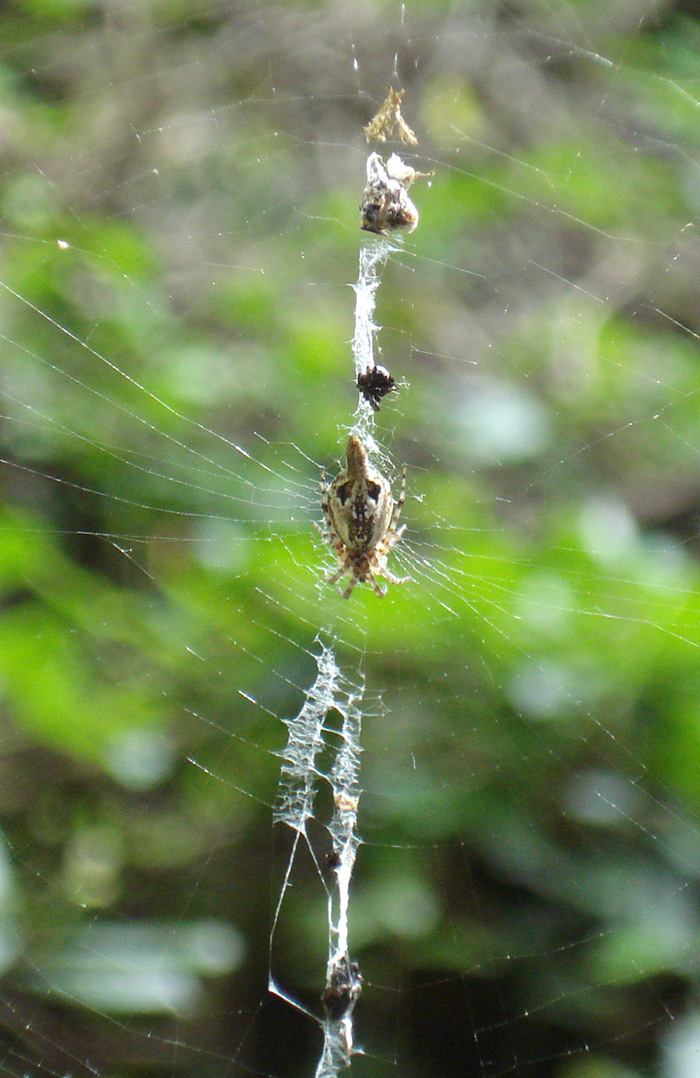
(394, 579)
(399, 506)
(335, 577)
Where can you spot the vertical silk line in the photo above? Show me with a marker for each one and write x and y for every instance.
(385, 206)
(372, 257)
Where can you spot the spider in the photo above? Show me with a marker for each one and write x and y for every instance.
(361, 520)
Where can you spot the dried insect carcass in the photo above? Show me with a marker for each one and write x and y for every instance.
(343, 987)
(385, 202)
(374, 383)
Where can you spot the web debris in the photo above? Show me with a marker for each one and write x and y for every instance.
(374, 383)
(300, 778)
(388, 118)
(385, 206)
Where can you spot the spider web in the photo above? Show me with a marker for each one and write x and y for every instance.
(250, 827)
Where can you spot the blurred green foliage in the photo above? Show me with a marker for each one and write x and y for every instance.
(178, 197)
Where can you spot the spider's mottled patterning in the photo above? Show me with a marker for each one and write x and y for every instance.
(361, 520)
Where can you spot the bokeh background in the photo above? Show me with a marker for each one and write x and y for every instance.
(179, 185)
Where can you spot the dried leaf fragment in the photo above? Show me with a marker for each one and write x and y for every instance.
(388, 119)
